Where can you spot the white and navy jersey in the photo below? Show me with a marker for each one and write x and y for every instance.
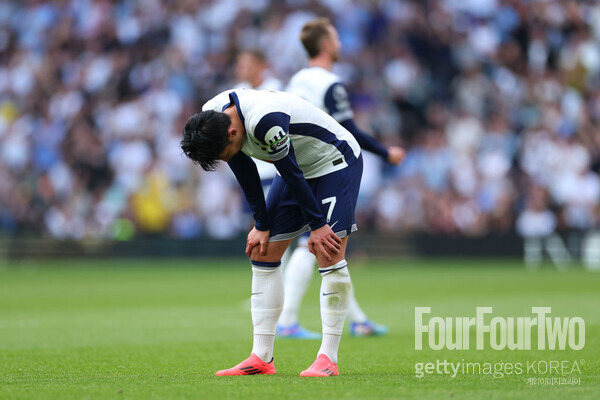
(266, 170)
(276, 122)
(325, 90)
(302, 141)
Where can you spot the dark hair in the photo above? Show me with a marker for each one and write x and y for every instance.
(205, 137)
(313, 33)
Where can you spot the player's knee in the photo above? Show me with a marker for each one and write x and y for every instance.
(255, 254)
(265, 265)
(324, 264)
(268, 257)
(340, 266)
(274, 251)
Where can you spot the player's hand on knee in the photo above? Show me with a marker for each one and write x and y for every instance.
(257, 238)
(323, 241)
(395, 155)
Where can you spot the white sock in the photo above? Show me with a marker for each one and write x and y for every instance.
(262, 346)
(298, 273)
(355, 313)
(335, 291)
(330, 345)
(266, 304)
(285, 258)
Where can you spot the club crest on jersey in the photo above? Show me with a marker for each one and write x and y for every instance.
(276, 139)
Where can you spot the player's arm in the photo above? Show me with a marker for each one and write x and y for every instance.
(322, 236)
(272, 131)
(246, 174)
(338, 106)
(292, 175)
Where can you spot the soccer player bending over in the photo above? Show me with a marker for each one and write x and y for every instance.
(320, 168)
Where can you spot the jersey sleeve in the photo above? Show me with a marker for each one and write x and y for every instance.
(292, 175)
(364, 140)
(246, 174)
(337, 102)
(338, 106)
(272, 135)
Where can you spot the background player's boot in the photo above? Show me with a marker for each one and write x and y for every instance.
(321, 367)
(296, 332)
(253, 365)
(367, 328)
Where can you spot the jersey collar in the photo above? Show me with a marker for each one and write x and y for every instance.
(233, 98)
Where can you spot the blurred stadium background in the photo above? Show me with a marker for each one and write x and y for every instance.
(496, 101)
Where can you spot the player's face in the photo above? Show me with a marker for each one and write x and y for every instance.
(235, 144)
(247, 67)
(334, 44)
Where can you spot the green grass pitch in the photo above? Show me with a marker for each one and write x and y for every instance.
(159, 329)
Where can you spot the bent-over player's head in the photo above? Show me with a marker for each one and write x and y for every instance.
(319, 36)
(205, 138)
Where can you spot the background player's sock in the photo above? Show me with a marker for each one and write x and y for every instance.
(335, 291)
(266, 301)
(355, 313)
(298, 273)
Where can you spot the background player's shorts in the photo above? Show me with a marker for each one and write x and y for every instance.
(336, 192)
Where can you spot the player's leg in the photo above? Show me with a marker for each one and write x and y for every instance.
(338, 193)
(359, 324)
(267, 279)
(267, 296)
(297, 275)
(266, 303)
(333, 298)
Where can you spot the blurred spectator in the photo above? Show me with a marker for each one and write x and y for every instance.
(252, 71)
(489, 97)
(537, 224)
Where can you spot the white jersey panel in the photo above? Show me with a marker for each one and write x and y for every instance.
(313, 83)
(321, 145)
(265, 170)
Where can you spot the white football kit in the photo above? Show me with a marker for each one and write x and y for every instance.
(324, 89)
(318, 160)
(272, 119)
(266, 170)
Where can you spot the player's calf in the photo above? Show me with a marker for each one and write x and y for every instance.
(334, 295)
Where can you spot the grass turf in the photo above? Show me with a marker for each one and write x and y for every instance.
(160, 329)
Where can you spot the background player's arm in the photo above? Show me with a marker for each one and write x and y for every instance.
(338, 106)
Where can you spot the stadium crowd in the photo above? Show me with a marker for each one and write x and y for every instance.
(496, 101)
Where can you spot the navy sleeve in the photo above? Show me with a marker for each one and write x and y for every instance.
(364, 140)
(338, 106)
(337, 102)
(246, 174)
(309, 205)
